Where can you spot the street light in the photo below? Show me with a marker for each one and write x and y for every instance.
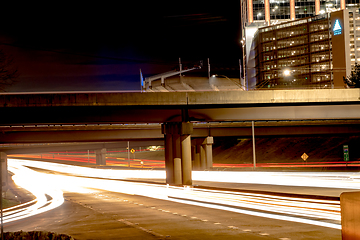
(287, 72)
(243, 43)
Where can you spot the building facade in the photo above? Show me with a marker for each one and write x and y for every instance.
(301, 38)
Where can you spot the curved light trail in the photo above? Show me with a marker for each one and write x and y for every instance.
(46, 196)
(305, 210)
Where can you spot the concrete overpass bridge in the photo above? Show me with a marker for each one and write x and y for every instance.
(160, 107)
(32, 118)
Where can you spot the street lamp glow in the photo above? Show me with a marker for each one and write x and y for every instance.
(287, 72)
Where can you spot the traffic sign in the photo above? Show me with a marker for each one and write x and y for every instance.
(132, 150)
(346, 152)
(304, 156)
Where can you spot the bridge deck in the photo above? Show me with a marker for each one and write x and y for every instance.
(159, 107)
(178, 98)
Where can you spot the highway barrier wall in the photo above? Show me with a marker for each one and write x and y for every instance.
(350, 215)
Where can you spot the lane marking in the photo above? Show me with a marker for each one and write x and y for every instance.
(149, 231)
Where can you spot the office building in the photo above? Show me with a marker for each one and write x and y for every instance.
(278, 19)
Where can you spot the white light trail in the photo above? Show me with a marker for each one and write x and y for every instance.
(345, 180)
(38, 184)
(324, 213)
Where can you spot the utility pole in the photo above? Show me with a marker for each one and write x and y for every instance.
(253, 142)
(208, 68)
(240, 72)
(128, 151)
(180, 66)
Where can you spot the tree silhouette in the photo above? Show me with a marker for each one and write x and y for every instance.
(353, 80)
(8, 73)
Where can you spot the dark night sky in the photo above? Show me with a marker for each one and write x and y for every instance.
(102, 46)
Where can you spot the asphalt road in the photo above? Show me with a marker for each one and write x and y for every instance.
(106, 215)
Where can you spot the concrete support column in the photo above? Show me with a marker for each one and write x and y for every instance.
(178, 163)
(186, 159)
(4, 170)
(176, 148)
(197, 157)
(204, 152)
(169, 164)
(202, 158)
(177, 171)
(207, 145)
(195, 154)
(100, 156)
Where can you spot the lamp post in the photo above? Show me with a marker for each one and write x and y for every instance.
(243, 63)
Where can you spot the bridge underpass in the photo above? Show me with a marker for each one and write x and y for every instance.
(28, 139)
(180, 109)
(28, 134)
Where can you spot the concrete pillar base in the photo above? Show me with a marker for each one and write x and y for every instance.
(4, 170)
(100, 156)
